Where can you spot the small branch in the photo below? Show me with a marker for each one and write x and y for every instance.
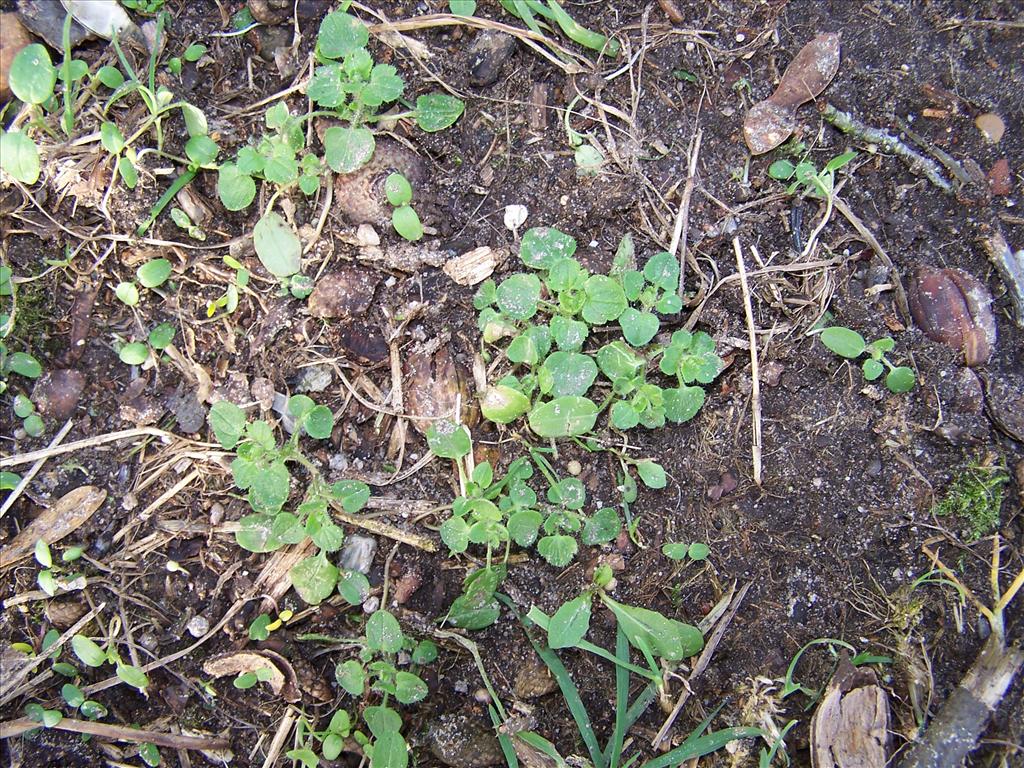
(917, 162)
(702, 663)
(23, 484)
(755, 376)
(90, 442)
(13, 728)
(683, 217)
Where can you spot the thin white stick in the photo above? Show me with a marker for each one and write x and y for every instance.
(683, 217)
(755, 390)
(23, 483)
(89, 442)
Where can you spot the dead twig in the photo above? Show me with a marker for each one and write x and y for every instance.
(755, 377)
(17, 727)
(866, 235)
(683, 218)
(23, 483)
(702, 664)
(917, 162)
(91, 442)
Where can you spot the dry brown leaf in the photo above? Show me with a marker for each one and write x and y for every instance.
(282, 676)
(770, 122)
(433, 384)
(64, 516)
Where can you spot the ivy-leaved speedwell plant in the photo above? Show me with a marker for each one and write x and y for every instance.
(542, 321)
(261, 468)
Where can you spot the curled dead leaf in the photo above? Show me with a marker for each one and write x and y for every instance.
(282, 679)
(770, 122)
(954, 307)
(434, 384)
(64, 516)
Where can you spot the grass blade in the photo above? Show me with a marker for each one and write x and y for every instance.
(698, 746)
(503, 740)
(614, 749)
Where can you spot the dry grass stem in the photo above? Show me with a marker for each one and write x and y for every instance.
(15, 494)
(755, 377)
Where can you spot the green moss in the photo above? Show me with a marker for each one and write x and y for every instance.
(975, 497)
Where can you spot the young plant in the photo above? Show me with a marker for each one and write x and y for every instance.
(553, 368)
(139, 352)
(550, 14)
(349, 87)
(655, 637)
(815, 183)
(404, 218)
(261, 468)
(851, 345)
(228, 301)
(16, 363)
(53, 578)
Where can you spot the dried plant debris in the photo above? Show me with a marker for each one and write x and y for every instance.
(954, 308)
(267, 666)
(772, 121)
(435, 384)
(347, 292)
(472, 267)
(851, 725)
(360, 195)
(64, 516)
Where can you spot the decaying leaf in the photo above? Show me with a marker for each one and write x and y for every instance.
(850, 728)
(434, 383)
(772, 121)
(65, 516)
(473, 266)
(282, 676)
(954, 307)
(348, 292)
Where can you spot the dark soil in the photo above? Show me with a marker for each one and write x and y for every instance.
(831, 540)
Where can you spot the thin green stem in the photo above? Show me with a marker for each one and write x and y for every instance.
(176, 186)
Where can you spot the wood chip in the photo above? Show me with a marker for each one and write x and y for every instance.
(472, 267)
(282, 679)
(65, 516)
(537, 111)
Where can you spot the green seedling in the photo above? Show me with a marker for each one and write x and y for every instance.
(145, 7)
(552, 13)
(814, 183)
(975, 497)
(549, 315)
(676, 550)
(263, 625)
(261, 468)
(17, 363)
(53, 577)
(851, 345)
(140, 352)
(183, 221)
(653, 635)
(192, 54)
(404, 218)
(228, 301)
(462, 7)
(586, 153)
(349, 87)
(790, 686)
(31, 421)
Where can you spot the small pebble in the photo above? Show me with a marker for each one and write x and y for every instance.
(198, 626)
(371, 604)
(991, 126)
(574, 468)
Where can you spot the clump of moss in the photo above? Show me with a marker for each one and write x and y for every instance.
(975, 497)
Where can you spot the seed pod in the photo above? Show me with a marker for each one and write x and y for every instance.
(953, 307)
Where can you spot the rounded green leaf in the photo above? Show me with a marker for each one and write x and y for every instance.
(201, 150)
(19, 156)
(518, 295)
(683, 403)
(409, 688)
(88, 652)
(32, 74)
(153, 273)
(564, 417)
(319, 422)
(448, 440)
(568, 334)
(110, 76)
(558, 550)
(624, 415)
(397, 189)
(872, 369)
(425, 652)
(652, 473)
(278, 247)
(161, 336)
(133, 676)
(698, 551)
(406, 222)
(618, 361)
(348, 149)
(843, 341)
(135, 353)
(437, 111)
(128, 293)
(638, 327)
(314, 578)
(675, 550)
(455, 534)
(662, 270)
(354, 587)
(341, 34)
(383, 633)
(353, 494)
(524, 525)
(503, 405)
(351, 677)
(605, 300)
(567, 373)
(602, 527)
(236, 189)
(543, 246)
(25, 365)
(227, 421)
(900, 379)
